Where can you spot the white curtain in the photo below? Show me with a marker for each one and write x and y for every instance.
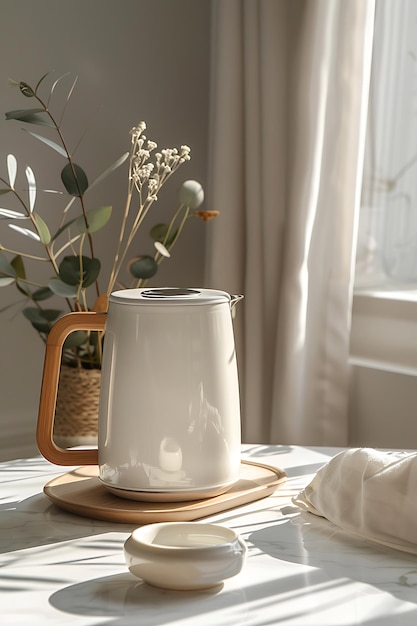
(387, 242)
(289, 91)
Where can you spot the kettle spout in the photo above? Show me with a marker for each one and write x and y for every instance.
(234, 299)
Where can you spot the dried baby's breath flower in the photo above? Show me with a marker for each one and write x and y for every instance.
(136, 131)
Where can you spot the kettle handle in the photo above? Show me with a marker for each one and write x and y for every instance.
(88, 320)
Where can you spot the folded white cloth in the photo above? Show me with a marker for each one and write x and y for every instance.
(369, 493)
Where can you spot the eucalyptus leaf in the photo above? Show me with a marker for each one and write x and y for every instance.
(26, 90)
(159, 232)
(91, 271)
(162, 249)
(5, 281)
(32, 116)
(18, 266)
(58, 80)
(49, 143)
(14, 215)
(41, 319)
(42, 326)
(191, 194)
(96, 219)
(12, 169)
(33, 314)
(42, 228)
(32, 187)
(70, 270)
(24, 289)
(109, 170)
(25, 231)
(59, 288)
(143, 267)
(40, 80)
(43, 293)
(5, 266)
(75, 185)
(72, 88)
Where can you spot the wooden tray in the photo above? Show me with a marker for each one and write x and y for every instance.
(80, 491)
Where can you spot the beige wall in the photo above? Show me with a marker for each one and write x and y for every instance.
(135, 59)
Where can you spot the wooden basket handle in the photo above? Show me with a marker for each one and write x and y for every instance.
(88, 320)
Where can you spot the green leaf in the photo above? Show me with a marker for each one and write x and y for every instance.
(58, 80)
(32, 313)
(5, 266)
(18, 266)
(3, 191)
(75, 339)
(32, 116)
(23, 288)
(32, 187)
(91, 271)
(11, 169)
(5, 282)
(41, 320)
(42, 228)
(49, 143)
(40, 80)
(26, 90)
(12, 215)
(25, 231)
(191, 194)
(109, 170)
(159, 232)
(70, 271)
(96, 219)
(143, 267)
(43, 293)
(59, 288)
(75, 185)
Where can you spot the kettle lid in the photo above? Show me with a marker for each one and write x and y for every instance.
(170, 295)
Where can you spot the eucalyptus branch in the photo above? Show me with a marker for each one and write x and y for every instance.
(71, 162)
(30, 216)
(17, 195)
(25, 255)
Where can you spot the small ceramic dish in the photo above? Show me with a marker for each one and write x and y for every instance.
(184, 555)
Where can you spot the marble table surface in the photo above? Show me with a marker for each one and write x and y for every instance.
(59, 568)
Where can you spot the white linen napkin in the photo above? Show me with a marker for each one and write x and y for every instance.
(369, 493)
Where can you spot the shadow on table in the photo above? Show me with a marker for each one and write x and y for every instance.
(35, 521)
(122, 600)
(121, 596)
(314, 541)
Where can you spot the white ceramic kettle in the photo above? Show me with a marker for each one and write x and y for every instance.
(169, 415)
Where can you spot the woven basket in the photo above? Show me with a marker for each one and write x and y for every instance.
(76, 414)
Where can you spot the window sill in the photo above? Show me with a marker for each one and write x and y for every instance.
(400, 294)
(384, 330)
